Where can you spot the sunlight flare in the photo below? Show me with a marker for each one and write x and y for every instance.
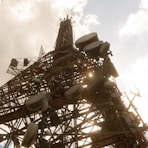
(136, 77)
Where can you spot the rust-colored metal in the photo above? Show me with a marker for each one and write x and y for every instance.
(95, 118)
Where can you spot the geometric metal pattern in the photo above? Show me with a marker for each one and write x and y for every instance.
(68, 99)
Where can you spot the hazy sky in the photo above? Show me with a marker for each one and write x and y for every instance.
(25, 25)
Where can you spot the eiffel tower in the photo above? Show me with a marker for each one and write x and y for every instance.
(69, 98)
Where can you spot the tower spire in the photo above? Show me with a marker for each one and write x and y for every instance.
(65, 35)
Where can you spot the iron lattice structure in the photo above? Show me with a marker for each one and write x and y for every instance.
(69, 99)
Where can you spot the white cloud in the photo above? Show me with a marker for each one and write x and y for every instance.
(137, 73)
(75, 8)
(90, 20)
(136, 76)
(136, 22)
(26, 24)
(84, 23)
(144, 4)
(22, 10)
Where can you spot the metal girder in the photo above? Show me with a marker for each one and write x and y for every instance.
(93, 116)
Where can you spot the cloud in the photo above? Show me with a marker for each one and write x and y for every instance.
(144, 4)
(90, 20)
(75, 8)
(136, 74)
(134, 78)
(22, 10)
(136, 22)
(83, 24)
(25, 25)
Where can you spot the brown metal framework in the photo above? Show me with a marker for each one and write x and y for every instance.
(97, 119)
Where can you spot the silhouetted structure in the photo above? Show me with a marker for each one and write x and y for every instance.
(69, 99)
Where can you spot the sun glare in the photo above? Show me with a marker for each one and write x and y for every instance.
(136, 80)
(90, 74)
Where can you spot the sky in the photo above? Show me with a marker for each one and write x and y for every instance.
(25, 25)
